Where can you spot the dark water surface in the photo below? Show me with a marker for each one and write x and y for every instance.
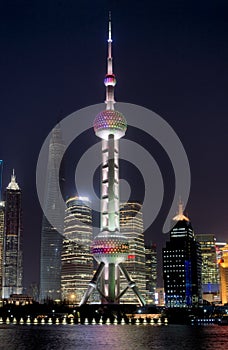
(111, 337)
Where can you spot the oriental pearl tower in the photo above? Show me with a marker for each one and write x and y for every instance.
(110, 249)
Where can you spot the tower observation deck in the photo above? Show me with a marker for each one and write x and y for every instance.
(110, 249)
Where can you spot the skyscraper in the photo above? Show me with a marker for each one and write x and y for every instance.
(51, 239)
(182, 265)
(2, 219)
(12, 241)
(210, 271)
(151, 271)
(131, 226)
(110, 248)
(223, 268)
(77, 260)
(1, 172)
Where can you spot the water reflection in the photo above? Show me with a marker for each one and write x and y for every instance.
(121, 337)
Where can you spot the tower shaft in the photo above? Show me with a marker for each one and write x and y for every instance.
(110, 185)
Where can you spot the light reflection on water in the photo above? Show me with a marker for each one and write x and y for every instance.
(121, 337)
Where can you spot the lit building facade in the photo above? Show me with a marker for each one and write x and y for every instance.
(223, 268)
(151, 271)
(210, 271)
(12, 241)
(160, 296)
(2, 220)
(131, 226)
(182, 265)
(219, 252)
(51, 239)
(77, 260)
(110, 247)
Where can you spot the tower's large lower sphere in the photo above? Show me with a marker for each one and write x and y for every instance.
(110, 248)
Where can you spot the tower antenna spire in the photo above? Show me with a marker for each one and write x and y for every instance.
(110, 80)
(110, 26)
(180, 207)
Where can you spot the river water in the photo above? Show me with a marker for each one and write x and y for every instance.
(111, 337)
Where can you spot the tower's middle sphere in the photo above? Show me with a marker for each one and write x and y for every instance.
(110, 122)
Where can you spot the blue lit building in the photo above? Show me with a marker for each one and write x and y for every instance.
(182, 265)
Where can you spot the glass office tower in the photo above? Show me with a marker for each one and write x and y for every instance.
(77, 260)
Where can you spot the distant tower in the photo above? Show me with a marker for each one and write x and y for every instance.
(12, 256)
(77, 260)
(182, 265)
(151, 271)
(131, 226)
(110, 248)
(51, 239)
(2, 219)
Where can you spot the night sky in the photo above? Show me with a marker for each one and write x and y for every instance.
(169, 56)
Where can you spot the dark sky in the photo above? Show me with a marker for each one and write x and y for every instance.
(170, 56)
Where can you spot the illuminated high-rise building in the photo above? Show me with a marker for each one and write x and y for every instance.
(182, 265)
(210, 271)
(2, 219)
(110, 248)
(223, 268)
(12, 241)
(151, 271)
(51, 239)
(131, 226)
(77, 260)
(1, 172)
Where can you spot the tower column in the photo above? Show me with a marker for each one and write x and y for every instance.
(111, 283)
(110, 185)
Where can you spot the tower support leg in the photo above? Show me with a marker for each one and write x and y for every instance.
(92, 284)
(132, 285)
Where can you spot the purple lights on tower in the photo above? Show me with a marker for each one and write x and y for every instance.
(110, 122)
(110, 80)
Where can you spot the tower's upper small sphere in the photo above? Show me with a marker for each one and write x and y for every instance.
(110, 79)
(110, 122)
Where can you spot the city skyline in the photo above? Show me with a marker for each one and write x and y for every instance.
(35, 90)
